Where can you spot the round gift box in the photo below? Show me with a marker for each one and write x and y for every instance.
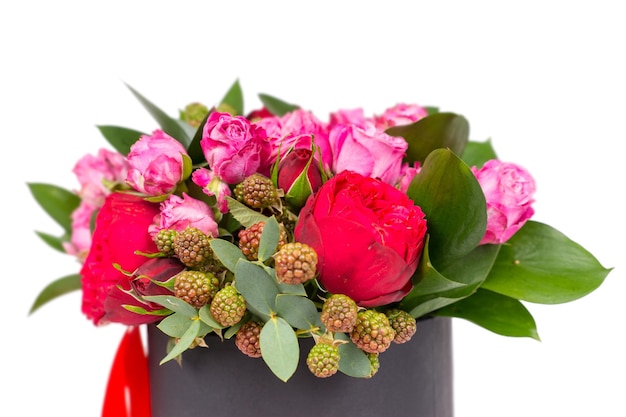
(414, 379)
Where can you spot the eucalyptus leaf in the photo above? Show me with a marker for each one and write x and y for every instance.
(435, 131)
(175, 325)
(121, 138)
(234, 99)
(280, 348)
(173, 303)
(269, 239)
(184, 342)
(55, 289)
(477, 153)
(300, 312)
(244, 214)
(207, 317)
(171, 126)
(57, 202)
(276, 106)
(539, 264)
(500, 314)
(257, 287)
(454, 204)
(226, 252)
(352, 360)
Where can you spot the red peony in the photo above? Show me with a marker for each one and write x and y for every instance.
(368, 237)
(121, 229)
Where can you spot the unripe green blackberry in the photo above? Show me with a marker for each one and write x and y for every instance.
(228, 306)
(403, 324)
(164, 240)
(250, 237)
(192, 248)
(295, 263)
(248, 338)
(339, 313)
(196, 287)
(194, 113)
(374, 364)
(373, 332)
(323, 360)
(257, 191)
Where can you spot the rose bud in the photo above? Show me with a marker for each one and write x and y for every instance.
(299, 176)
(368, 237)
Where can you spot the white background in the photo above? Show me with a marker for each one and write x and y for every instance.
(544, 80)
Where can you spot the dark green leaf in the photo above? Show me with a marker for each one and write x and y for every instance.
(439, 130)
(541, 265)
(300, 312)
(53, 241)
(269, 239)
(184, 342)
(194, 150)
(257, 287)
(56, 289)
(500, 314)
(121, 138)
(280, 348)
(454, 204)
(227, 253)
(173, 127)
(57, 202)
(233, 100)
(477, 153)
(276, 106)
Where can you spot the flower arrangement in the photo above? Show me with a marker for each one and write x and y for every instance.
(273, 225)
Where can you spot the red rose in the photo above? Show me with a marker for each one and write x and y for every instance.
(121, 229)
(368, 237)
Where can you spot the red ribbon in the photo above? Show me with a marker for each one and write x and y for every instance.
(128, 389)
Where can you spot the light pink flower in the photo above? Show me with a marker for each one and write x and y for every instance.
(95, 173)
(178, 213)
(212, 185)
(350, 117)
(509, 190)
(80, 241)
(156, 164)
(407, 174)
(400, 114)
(234, 147)
(371, 153)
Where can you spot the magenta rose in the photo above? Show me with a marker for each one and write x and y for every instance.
(509, 190)
(400, 114)
(157, 164)
(121, 229)
(368, 237)
(234, 147)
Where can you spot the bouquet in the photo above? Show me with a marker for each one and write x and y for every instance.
(273, 225)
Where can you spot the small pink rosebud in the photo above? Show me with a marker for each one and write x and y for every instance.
(292, 179)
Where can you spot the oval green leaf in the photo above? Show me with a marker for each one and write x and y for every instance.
(53, 241)
(539, 264)
(257, 287)
(121, 138)
(175, 325)
(234, 99)
(184, 342)
(175, 304)
(352, 360)
(227, 253)
(300, 312)
(269, 239)
(57, 202)
(276, 106)
(55, 289)
(244, 214)
(477, 153)
(279, 347)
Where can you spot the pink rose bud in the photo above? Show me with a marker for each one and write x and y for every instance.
(509, 190)
(158, 163)
(212, 186)
(179, 213)
(299, 176)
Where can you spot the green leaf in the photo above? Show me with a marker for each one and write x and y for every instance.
(352, 360)
(227, 253)
(184, 342)
(438, 130)
(269, 239)
(54, 241)
(244, 214)
(234, 99)
(207, 317)
(300, 312)
(276, 106)
(257, 287)
(175, 325)
(477, 153)
(454, 204)
(175, 304)
(121, 138)
(173, 127)
(280, 348)
(57, 202)
(194, 150)
(539, 264)
(56, 289)
(498, 313)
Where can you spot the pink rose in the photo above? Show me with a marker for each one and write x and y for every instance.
(212, 186)
(179, 213)
(407, 174)
(157, 164)
(509, 190)
(370, 152)
(121, 229)
(234, 147)
(80, 241)
(96, 173)
(400, 114)
(349, 117)
(382, 236)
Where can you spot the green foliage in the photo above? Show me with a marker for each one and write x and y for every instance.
(121, 138)
(57, 202)
(276, 106)
(280, 348)
(55, 289)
